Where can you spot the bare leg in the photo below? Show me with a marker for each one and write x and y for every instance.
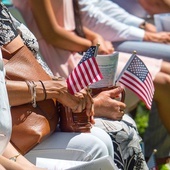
(165, 67)
(162, 96)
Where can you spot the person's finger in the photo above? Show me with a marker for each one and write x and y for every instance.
(82, 97)
(89, 105)
(92, 120)
(122, 106)
(115, 92)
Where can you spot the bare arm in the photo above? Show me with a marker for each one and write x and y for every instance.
(159, 37)
(19, 93)
(52, 32)
(21, 162)
(57, 36)
(148, 27)
(9, 165)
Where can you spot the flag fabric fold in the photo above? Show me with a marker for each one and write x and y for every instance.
(137, 78)
(86, 72)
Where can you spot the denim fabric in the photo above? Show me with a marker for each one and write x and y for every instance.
(148, 49)
(74, 146)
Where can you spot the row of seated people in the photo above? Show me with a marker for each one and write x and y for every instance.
(105, 48)
(126, 32)
(101, 143)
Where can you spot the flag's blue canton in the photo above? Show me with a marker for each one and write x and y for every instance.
(89, 53)
(138, 68)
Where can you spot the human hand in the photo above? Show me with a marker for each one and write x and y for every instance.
(86, 102)
(159, 37)
(149, 27)
(58, 90)
(105, 47)
(106, 105)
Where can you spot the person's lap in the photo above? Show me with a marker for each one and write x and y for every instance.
(126, 141)
(149, 49)
(74, 146)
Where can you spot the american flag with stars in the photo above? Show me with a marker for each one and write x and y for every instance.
(86, 72)
(137, 78)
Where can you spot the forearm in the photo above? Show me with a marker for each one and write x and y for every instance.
(66, 40)
(9, 165)
(90, 35)
(19, 93)
(11, 152)
(52, 32)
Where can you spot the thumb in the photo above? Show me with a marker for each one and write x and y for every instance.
(115, 92)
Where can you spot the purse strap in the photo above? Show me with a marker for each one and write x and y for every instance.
(12, 48)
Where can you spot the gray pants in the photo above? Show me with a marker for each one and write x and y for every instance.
(148, 49)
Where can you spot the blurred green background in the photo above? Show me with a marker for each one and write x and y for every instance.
(141, 117)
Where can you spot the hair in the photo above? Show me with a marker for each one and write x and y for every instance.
(79, 26)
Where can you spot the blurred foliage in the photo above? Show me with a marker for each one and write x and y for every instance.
(164, 167)
(141, 118)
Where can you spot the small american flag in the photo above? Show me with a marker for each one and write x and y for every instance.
(86, 73)
(152, 161)
(137, 77)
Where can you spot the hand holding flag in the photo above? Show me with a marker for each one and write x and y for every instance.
(86, 73)
(137, 78)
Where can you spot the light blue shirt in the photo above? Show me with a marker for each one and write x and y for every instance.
(110, 20)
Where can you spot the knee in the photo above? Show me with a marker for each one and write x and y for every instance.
(162, 81)
(166, 79)
(104, 138)
(91, 145)
(96, 149)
